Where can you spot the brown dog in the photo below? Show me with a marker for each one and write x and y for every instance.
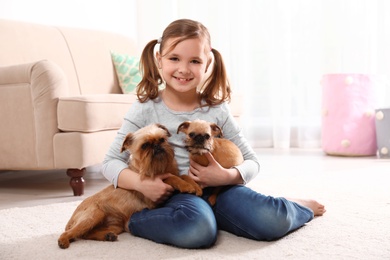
(105, 215)
(202, 137)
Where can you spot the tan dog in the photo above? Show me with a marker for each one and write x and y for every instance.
(205, 137)
(105, 215)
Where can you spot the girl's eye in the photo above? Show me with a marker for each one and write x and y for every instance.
(173, 59)
(195, 61)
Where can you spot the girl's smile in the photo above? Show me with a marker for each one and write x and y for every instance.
(182, 79)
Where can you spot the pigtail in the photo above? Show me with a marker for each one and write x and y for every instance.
(151, 78)
(216, 88)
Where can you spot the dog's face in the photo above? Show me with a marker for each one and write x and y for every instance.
(200, 135)
(150, 151)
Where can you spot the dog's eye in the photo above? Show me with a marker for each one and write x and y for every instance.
(162, 140)
(145, 146)
(192, 134)
(207, 136)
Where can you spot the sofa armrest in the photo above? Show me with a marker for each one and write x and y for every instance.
(28, 103)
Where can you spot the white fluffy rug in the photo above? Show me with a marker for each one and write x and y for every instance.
(356, 225)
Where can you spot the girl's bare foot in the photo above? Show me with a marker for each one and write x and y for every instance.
(314, 205)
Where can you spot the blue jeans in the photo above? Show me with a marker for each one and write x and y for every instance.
(188, 221)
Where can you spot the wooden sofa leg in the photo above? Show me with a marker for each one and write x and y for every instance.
(76, 180)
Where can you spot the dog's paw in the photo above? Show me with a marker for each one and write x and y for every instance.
(212, 199)
(191, 186)
(187, 188)
(198, 191)
(63, 243)
(110, 237)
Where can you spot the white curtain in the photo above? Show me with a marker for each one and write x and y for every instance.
(276, 52)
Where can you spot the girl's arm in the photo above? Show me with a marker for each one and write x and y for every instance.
(154, 189)
(214, 174)
(116, 161)
(232, 131)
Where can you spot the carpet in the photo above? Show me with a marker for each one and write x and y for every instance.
(355, 226)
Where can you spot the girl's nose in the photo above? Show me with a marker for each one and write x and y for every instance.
(183, 68)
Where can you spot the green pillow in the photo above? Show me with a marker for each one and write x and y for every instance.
(127, 71)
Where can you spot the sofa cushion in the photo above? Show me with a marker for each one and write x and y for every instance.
(90, 53)
(92, 113)
(127, 71)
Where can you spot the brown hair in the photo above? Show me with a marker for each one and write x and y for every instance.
(216, 88)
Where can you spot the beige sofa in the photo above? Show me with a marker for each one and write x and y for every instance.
(60, 102)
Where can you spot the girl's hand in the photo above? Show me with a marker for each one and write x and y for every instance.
(213, 174)
(156, 189)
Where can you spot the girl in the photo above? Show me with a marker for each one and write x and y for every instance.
(184, 220)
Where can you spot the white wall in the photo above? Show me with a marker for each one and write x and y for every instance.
(119, 16)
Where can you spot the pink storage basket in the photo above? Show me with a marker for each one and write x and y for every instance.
(348, 119)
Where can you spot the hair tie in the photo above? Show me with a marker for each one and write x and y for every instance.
(159, 40)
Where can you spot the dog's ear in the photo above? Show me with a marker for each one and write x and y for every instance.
(216, 131)
(127, 142)
(183, 127)
(165, 129)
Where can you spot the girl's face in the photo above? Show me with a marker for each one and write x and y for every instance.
(183, 68)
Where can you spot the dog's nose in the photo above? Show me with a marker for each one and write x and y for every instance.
(199, 139)
(157, 149)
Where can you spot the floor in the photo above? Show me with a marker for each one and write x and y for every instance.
(31, 188)
(355, 191)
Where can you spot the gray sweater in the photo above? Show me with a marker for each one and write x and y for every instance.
(155, 111)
